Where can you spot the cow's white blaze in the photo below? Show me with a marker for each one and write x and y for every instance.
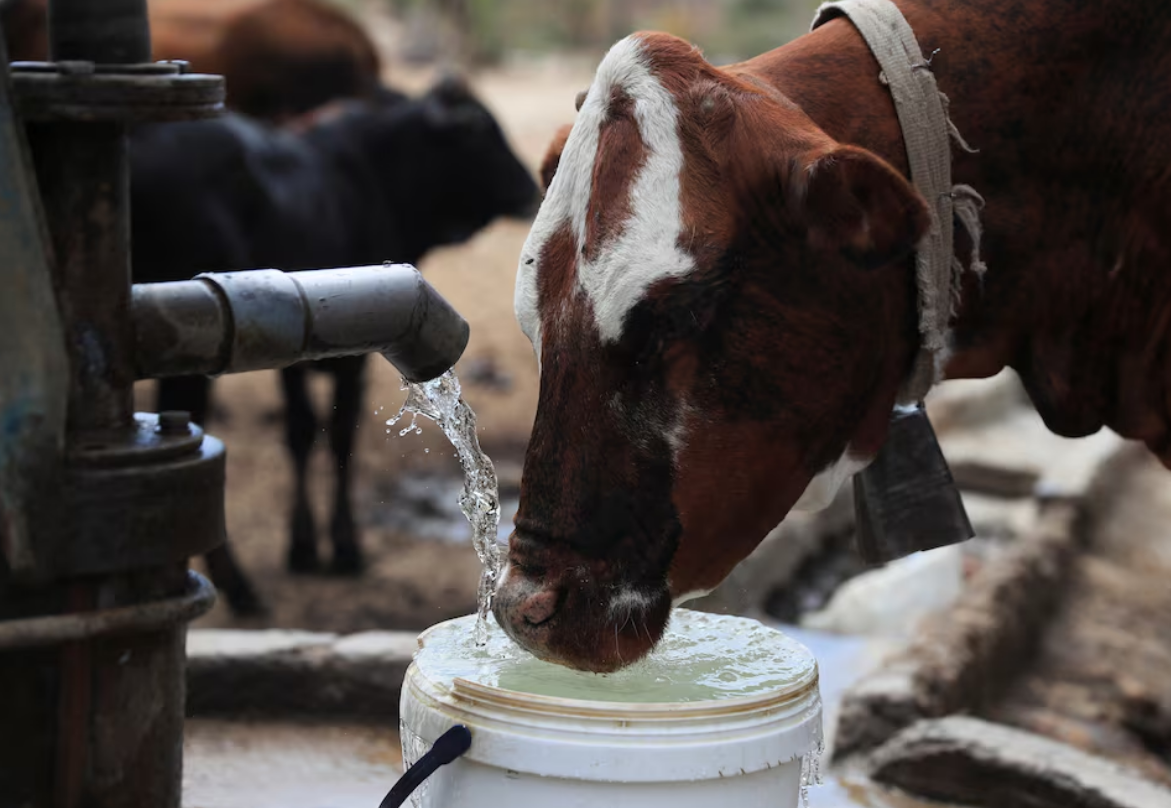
(646, 250)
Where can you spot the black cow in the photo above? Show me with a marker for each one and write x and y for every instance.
(373, 182)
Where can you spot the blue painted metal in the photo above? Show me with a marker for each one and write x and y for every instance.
(33, 364)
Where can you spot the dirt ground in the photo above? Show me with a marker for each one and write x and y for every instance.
(410, 583)
(1100, 679)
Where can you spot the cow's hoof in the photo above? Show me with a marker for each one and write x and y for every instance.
(347, 560)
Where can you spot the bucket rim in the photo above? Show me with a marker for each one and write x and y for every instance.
(469, 694)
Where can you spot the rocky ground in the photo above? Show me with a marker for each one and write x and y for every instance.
(1102, 676)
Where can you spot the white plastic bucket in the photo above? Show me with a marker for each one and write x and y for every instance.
(539, 751)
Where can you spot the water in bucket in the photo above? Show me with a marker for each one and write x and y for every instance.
(701, 657)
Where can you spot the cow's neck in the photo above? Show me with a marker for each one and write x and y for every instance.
(1077, 297)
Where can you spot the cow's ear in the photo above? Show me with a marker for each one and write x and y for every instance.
(855, 203)
(552, 157)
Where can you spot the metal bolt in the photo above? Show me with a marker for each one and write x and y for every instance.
(174, 422)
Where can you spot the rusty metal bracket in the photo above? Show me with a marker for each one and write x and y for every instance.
(33, 632)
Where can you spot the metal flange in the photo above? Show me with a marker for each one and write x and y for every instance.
(85, 91)
(149, 498)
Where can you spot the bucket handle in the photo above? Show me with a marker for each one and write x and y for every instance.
(447, 747)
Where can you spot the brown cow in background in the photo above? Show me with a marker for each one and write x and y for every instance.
(279, 58)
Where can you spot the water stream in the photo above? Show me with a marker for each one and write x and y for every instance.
(440, 400)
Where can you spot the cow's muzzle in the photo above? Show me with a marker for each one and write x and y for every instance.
(577, 621)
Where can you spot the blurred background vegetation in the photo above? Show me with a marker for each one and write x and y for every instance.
(486, 32)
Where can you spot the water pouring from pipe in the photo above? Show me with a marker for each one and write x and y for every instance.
(440, 400)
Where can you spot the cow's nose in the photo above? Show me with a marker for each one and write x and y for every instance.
(538, 608)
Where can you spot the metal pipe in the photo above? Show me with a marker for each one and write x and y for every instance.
(82, 169)
(238, 321)
(94, 721)
(34, 379)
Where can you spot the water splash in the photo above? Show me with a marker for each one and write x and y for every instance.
(440, 400)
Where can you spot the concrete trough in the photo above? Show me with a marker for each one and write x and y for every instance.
(296, 673)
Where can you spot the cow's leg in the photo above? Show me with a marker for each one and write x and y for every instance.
(193, 393)
(300, 432)
(229, 578)
(349, 378)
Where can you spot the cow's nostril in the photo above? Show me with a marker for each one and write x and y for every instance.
(539, 608)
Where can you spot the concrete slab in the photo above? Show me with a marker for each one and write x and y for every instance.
(239, 764)
(295, 673)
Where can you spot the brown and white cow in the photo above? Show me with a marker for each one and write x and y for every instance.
(720, 289)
